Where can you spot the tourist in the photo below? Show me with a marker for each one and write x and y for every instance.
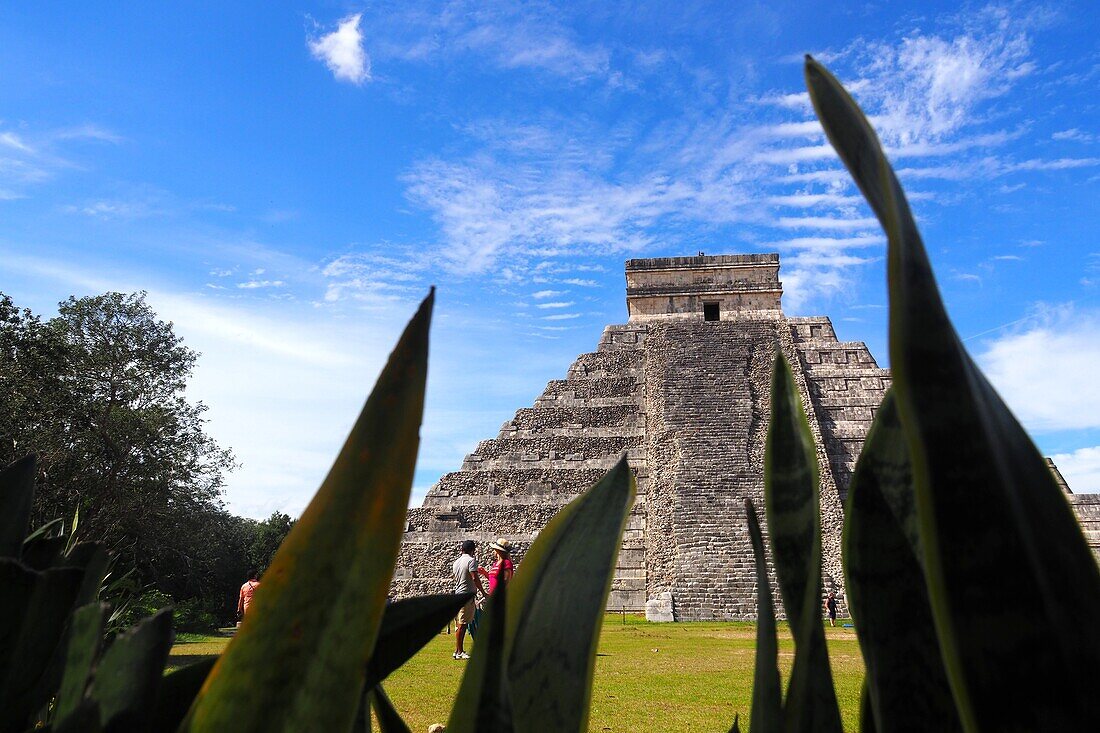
(502, 548)
(830, 606)
(247, 591)
(464, 571)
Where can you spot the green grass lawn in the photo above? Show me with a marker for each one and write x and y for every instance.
(676, 677)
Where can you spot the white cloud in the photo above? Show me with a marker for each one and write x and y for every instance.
(561, 317)
(1054, 165)
(1045, 370)
(1073, 134)
(13, 141)
(825, 222)
(565, 304)
(256, 284)
(539, 295)
(342, 51)
(1081, 469)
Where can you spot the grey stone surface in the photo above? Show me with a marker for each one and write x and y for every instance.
(687, 400)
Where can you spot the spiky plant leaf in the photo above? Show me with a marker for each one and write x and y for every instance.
(407, 625)
(905, 681)
(176, 692)
(767, 693)
(483, 702)
(298, 660)
(33, 614)
(126, 679)
(84, 639)
(1015, 591)
(556, 606)
(794, 525)
(16, 497)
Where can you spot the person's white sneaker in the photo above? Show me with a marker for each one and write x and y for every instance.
(461, 655)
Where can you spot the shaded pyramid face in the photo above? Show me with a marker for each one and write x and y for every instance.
(683, 389)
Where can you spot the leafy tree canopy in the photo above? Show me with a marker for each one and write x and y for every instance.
(98, 392)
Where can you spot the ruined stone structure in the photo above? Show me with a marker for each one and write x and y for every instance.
(682, 389)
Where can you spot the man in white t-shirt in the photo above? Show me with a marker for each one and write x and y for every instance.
(464, 571)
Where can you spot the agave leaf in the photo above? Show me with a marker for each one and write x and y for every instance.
(389, 721)
(127, 677)
(483, 702)
(905, 680)
(408, 625)
(176, 692)
(17, 494)
(298, 660)
(84, 638)
(43, 552)
(1015, 591)
(767, 694)
(794, 524)
(736, 727)
(556, 606)
(35, 608)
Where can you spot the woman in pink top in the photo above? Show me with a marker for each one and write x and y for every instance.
(247, 591)
(503, 564)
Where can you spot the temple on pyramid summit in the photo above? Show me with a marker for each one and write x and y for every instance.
(683, 389)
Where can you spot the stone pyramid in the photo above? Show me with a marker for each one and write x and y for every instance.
(682, 389)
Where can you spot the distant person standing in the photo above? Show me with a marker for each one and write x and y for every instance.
(247, 591)
(830, 607)
(464, 571)
(502, 566)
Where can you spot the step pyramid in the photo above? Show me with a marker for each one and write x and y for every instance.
(683, 390)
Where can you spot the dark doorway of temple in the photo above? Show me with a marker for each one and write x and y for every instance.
(710, 311)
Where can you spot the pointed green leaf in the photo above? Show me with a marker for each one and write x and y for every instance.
(1015, 591)
(794, 524)
(483, 702)
(17, 495)
(389, 721)
(905, 680)
(176, 692)
(298, 661)
(407, 625)
(736, 727)
(84, 638)
(33, 614)
(557, 602)
(128, 676)
(767, 694)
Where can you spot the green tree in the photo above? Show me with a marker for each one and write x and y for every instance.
(266, 538)
(98, 393)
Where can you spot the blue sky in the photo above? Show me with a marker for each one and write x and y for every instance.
(287, 181)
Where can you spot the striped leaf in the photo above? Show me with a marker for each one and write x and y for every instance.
(484, 702)
(299, 659)
(767, 694)
(1015, 592)
(556, 606)
(794, 524)
(905, 680)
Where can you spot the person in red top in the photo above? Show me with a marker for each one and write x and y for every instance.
(503, 564)
(247, 591)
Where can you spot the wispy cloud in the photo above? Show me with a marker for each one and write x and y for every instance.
(342, 51)
(564, 304)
